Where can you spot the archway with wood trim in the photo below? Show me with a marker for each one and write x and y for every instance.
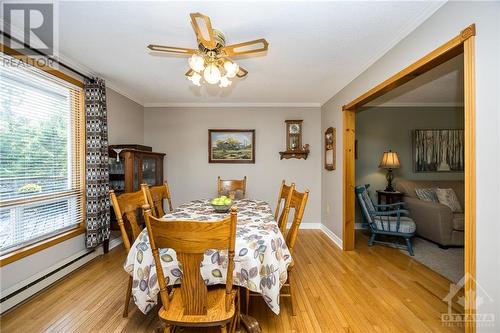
(463, 43)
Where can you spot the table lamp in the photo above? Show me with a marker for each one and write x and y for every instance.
(389, 161)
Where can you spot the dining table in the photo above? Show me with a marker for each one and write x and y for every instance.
(261, 258)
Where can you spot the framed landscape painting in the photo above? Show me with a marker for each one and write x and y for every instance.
(440, 150)
(231, 146)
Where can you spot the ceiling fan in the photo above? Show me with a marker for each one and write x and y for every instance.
(211, 61)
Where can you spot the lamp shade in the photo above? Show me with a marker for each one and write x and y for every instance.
(390, 160)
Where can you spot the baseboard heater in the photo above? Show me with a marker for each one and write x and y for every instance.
(27, 291)
(33, 285)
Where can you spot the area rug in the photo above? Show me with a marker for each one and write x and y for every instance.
(449, 263)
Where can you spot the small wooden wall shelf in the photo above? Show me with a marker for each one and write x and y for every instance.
(294, 154)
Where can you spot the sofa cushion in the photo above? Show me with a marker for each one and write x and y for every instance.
(458, 221)
(408, 187)
(406, 224)
(447, 197)
(427, 194)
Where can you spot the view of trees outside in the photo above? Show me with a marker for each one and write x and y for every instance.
(35, 137)
(33, 141)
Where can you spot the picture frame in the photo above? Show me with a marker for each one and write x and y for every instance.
(330, 149)
(438, 150)
(231, 146)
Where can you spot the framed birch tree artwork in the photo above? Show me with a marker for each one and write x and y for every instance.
(438, 150)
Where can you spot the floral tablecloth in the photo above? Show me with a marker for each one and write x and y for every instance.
(261, 255)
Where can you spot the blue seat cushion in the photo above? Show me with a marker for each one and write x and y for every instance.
(407, 225)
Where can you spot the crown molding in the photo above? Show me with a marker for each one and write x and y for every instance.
(87, 71)
(110, 84)
(232, 105)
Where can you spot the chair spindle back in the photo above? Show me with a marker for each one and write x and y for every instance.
(155, 195)
(128, 204)
(229, 187)
(298, 204)
(190, 240)
(284, 198)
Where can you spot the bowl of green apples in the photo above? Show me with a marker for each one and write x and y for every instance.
(222, 204)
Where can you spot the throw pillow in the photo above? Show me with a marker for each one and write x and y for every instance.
(427, 194)
(447, 196)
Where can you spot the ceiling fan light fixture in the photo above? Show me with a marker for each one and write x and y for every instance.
(196, 62)
(231, 68)
(224, 82)
(195, 78)
(211, 61)
(211, 74)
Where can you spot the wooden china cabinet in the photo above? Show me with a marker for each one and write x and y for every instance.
(134, 166)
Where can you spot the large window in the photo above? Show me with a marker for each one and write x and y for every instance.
(41, 155)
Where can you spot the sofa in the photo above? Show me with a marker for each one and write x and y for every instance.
(435, 222)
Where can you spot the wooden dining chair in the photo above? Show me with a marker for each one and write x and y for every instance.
(231, 187)
(284, 199)
(126, 207)
(193, 304)
(155, 195)
(297, 202)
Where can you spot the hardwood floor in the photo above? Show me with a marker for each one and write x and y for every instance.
(376, 289)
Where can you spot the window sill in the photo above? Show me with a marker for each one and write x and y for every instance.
(34, 248)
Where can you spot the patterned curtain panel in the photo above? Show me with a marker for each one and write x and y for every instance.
(97, 162)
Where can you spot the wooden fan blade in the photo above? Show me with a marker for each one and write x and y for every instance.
(203, 30)
(242, 72)
(171, 49)
(245, 48)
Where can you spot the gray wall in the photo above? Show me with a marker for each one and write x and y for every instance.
(381, 129)
(182, 133)
(125, 119)
(445, 24)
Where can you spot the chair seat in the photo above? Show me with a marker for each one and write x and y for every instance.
(216, 310)
(407, 225)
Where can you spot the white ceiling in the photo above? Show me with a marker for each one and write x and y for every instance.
(315, 48)
(441, 86)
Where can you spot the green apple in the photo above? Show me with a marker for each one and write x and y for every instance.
(223, 197)
(227, 201)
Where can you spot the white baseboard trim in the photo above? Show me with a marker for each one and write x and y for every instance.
(42, 284)
(319, 226)
(334, 238)
(114, 242)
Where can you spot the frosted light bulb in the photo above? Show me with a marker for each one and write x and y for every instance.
(224, 82)
(196, 62)
(231, 69)
(212, 74)
(196, 78)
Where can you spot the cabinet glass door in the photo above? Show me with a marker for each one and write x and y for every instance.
(149, 170)
(116, 174)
